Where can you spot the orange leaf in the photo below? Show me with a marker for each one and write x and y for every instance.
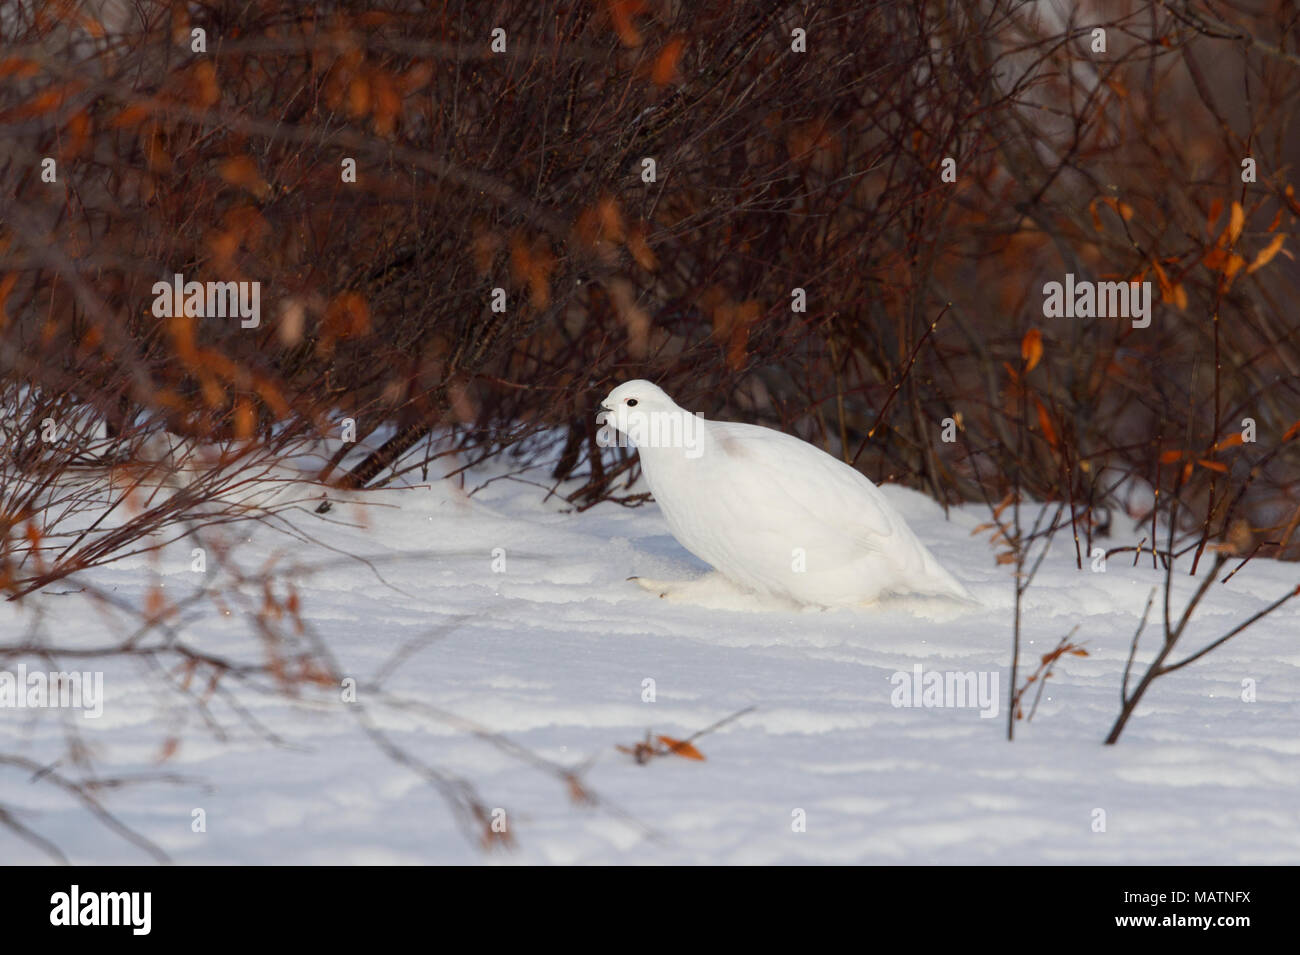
(1216, 210)
(154, 602)
(612, 226)
(347, 316)
(1031, 348)
(239, 171)
(91, 26)
(1213, 465)
(6, 287)
(1123, 209)
(19, 66)
(1265, 255)
(1045, 423)
(203, 84)
(78, 133)
(1169, 457)
(1289, 192)
(1096, 219)
(1230, 441)
(1236, 221)
(245, 419)
(416, 78)
(622, 12)
(665, 65)
(681, 748)
(41, 103)
(358, 97)
(1166, 287)
(387, 102)
(636, 244)
(1291, 432)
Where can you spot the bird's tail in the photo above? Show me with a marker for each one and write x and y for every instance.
(944, 584)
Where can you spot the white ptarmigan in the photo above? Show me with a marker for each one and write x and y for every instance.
(771, 512)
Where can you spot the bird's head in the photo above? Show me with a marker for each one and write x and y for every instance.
(644, 413)
(629, 406)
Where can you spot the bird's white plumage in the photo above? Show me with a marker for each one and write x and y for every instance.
(771, 512)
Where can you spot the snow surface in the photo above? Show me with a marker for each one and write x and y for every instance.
(553, 653)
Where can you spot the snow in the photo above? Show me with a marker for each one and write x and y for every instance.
(552, 654)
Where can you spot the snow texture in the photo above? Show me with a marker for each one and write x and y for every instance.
(552, 653)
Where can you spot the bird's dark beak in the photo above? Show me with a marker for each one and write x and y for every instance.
(605, 406)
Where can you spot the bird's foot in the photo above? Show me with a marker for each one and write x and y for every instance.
(710, 590)
(661, 587)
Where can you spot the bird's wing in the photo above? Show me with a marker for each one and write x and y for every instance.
(818, 487)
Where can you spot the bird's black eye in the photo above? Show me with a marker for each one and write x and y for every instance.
(631, 402)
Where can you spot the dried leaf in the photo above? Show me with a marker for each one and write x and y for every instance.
(680, 747)
(1166, 286)
(242, 171)
(1096, 217)
(621, 13)
(1216, 210)
(1031, 348)
(358, 97)
(346, 316)
(203, 84)
(1266, 254)
(641, 251)
(1289, 193)
(611, 219)
(1236, 221)
(1045, 424)
(387, 103)
(664, 70)
(245, 419)
(19, 66)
